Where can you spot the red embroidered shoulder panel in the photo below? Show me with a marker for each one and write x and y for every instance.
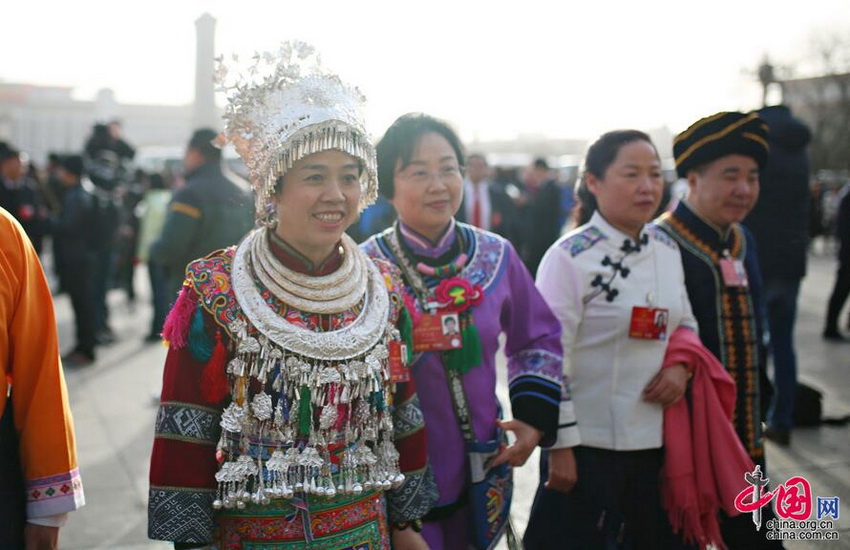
(209, 277)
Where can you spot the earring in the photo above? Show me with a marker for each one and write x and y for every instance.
(268, 214)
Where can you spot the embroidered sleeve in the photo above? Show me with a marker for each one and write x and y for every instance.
(561, 288)
(40, 406)
(418, 493)
(183, 461)
(207, 288)
(533, 347)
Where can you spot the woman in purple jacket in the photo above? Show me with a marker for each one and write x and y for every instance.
(451, 268)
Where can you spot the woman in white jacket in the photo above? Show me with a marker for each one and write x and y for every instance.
(616, 285)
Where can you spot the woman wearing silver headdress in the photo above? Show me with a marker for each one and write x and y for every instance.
(287, 416)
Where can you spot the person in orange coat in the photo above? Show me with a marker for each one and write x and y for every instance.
(39, 479)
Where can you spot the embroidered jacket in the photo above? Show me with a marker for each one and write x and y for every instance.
(592, 279)
(729, 320)
(511, 306)
(184, 462)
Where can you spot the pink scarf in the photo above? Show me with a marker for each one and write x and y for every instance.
(704, 461)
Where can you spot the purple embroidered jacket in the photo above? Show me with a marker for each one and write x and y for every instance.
(512, 306)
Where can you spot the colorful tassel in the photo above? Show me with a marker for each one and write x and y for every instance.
(305, 415)
(175, 330)
(410, 305)
(214, 383)
(469, 356)
(200, 344)
(452, 361)
(376, 398)
(471, 345)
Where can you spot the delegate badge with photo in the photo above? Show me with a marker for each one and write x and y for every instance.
(437, 332)
(734, 273)
(399, 372)
(648, 323)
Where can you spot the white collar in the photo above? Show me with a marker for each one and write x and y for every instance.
(614, 234)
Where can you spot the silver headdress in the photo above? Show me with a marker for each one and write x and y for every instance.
(287, 107)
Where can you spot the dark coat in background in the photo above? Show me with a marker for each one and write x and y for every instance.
(214, 210)
(780, 219)
(539, 224)
(74, 228)
(502, 214)
(23, 202)
(842, 222)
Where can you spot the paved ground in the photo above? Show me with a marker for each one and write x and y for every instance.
(114, 407)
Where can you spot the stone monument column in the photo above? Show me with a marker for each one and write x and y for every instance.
(205, 113)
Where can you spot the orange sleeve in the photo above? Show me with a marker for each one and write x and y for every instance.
(30, 352)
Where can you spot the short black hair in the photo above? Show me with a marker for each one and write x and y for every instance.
(73, 164)
(7, 153)
(541, 163)
(202, 141)
(477, 156)
(401, 139)
(156, 181)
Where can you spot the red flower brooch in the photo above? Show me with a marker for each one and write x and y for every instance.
(457, 295)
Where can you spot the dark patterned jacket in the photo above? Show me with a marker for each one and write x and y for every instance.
(729, 321)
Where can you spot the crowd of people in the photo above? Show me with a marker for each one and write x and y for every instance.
(84, 204)
(334, 322)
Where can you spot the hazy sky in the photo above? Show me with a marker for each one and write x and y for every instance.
(495, 69)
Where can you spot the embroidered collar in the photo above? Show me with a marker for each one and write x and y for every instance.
(422, 246)
(296, 261)
(704, 229)
(487, 254)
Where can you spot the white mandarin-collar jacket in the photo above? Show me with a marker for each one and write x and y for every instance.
(608, 371)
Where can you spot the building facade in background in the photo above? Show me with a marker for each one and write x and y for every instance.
(823, 102)
(47, 119)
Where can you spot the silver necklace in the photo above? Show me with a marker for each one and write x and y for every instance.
(334, 293)
(349, 342)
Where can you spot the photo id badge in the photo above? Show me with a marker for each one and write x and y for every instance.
(648, 323)
(399, 372)
(437, 332)
(733, 273)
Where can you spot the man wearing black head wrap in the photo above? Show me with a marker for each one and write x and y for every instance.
(721, 156)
